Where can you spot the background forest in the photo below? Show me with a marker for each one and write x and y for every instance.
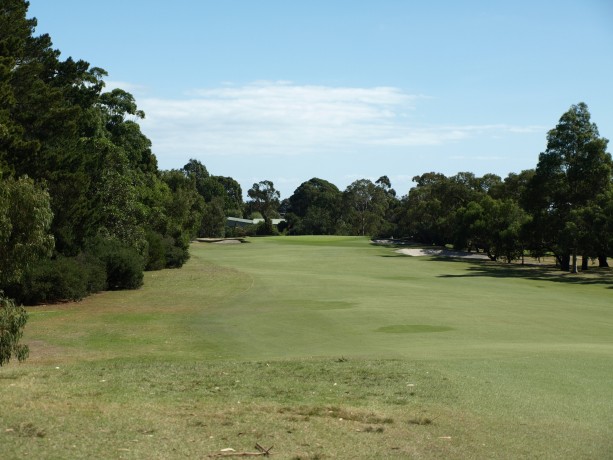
(84, 206)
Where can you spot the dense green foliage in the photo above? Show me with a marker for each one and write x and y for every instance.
(25, 218)
(563, 207)
(13, 318)
(80, 188)
(79, 185)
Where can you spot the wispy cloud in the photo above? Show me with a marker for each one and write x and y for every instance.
(281, 118)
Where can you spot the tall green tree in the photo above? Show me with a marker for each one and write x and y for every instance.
(25, 219)
(429, 210)
(573, 170)
(13, 319)
(315, 208)
(184, 209)
(118, 212)
(265, 200)
(393, 211)
(213, 219)
(365, 205)
(233, 197)
(493, 225)
(59, 127)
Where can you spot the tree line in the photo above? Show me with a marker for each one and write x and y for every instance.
(563, 207)
(84, 206)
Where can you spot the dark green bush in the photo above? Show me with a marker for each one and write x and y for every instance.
(240, 232)
(166, 252)
(156, 255)
(124, 265)
(266, 228)
(94, 272)
(53, 280)
(60, 279)
(176, 254)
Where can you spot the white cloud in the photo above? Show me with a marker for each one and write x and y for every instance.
(281, 118)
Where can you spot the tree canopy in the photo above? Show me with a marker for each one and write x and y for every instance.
(79, 183)
(81, 191)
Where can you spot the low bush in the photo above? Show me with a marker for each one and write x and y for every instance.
(94, 272)
(124, 265)
(266, 228)
(156, 255)
(176, 253)
(61, 279)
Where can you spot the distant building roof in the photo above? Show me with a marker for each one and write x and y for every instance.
(238, 222)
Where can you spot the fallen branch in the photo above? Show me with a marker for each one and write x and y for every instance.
(262, 453)
(262, 450)
(239, 454)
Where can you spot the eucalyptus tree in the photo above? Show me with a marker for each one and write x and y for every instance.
(233, 196)
(265, 200)
(13, 319)
(393, 211)
(315, 208)
(429, 214)
(365, 205)
(574, 169)
(25, 219)
(493, 225)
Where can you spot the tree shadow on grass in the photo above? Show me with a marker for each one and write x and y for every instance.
(475, 268)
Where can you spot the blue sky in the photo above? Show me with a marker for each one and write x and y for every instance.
(346, 89)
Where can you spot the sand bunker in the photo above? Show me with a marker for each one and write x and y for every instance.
(421, 252)
(221, 240)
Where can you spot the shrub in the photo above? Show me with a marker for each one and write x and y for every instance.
(12, 321)
(166, 252)
(266, 228)
(156, 255)
(241, 232)
(124, 265)
(51, 280)
(61, 279)
(176, 254)
(124, 268)
(94, 272)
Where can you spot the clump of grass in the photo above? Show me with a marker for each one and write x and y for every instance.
(339, 413)
(28, 430)
(421, 421)
(371, 429)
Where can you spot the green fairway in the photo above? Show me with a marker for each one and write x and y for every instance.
(325, 347)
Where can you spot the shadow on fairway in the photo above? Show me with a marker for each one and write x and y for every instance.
(531, 272)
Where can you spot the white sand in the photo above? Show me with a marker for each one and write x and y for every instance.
(420, 252)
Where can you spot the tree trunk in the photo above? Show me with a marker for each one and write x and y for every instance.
(602, 261)
(573, 269)
(584, 263)
(564, 261)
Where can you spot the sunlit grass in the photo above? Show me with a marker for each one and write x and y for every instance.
(322, 348)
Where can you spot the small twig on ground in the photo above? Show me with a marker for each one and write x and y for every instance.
(262, 450)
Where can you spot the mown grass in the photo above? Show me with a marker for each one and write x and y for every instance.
(324, 348)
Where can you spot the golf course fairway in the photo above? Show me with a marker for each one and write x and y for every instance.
(320, 347)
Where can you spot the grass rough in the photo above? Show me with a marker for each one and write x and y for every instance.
(278, 341)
